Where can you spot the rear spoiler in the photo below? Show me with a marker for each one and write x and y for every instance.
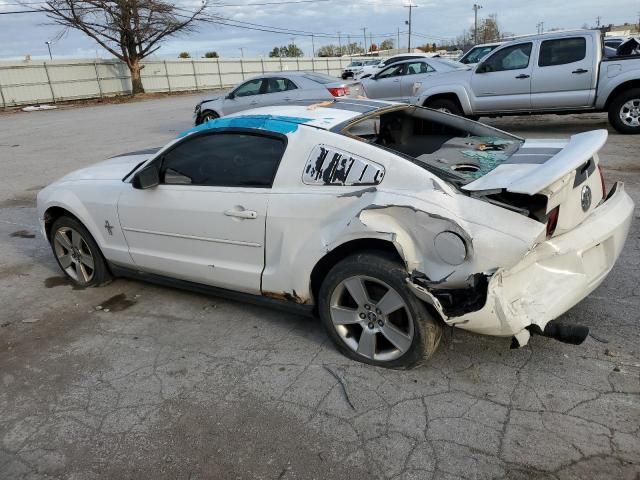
(530, 179)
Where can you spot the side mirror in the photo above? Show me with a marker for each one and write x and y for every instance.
(148, 177)
(482, 68)
(230, 96)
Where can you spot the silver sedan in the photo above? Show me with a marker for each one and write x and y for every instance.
(399, 81)
(271, 89)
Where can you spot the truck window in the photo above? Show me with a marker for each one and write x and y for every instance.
(514, 57)
(562, 51)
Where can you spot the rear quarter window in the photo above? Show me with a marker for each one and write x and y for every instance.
(331, 166)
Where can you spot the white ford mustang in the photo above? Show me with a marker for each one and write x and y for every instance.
(388, 221)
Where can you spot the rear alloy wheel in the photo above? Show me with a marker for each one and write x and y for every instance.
(77, 253)
(371, 315)
(624, 112)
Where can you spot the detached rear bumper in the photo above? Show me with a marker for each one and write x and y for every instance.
(553, 277)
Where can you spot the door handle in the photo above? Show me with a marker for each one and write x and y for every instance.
(241, 213)
(522, 75)
(580, 70)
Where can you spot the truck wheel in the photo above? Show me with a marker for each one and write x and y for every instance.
(445, 105)
(372, 316)
(624, 112)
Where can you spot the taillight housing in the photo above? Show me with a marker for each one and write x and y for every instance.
(604, 187)
(552, 221)
(339, 91)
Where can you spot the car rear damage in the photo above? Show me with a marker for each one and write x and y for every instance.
(566, 235)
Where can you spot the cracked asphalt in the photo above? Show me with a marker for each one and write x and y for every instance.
(160, 383)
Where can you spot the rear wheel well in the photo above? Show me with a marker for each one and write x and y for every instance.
(619, 89)
(51, 215)
(443, 96)
(339, 253)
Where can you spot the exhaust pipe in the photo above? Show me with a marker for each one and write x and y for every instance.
(563, 332)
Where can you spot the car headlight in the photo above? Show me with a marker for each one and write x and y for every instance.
(197, 109)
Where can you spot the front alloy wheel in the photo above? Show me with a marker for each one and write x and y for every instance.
(77, 253)
(74, 255)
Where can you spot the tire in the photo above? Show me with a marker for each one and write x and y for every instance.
(624, 112)
(388, 312)
(445, 105)
(76, 252)
(208, 115)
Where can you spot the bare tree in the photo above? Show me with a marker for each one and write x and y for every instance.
(128, 29)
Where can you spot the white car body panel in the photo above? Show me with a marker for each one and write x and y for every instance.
(182, 231)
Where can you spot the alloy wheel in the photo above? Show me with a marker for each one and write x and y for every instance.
(74, 254)
(371, 318)
(630, 112)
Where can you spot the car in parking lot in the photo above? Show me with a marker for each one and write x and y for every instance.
(271, 89)
(387, 220)
(478, 52)
(401, 80)
(356, 66)
(370, 70)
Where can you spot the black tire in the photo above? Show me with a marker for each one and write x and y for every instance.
(379, 266)
(616, 107)
(99, 274)
(445, 105)
(208, 115)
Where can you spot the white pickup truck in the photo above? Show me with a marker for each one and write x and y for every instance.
(558, 72)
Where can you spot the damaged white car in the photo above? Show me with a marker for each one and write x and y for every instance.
(389, 221)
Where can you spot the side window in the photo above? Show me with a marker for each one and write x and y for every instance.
(509, 58)
(562, 51)
(275, 85)
(418, 67)
(223, 160)
(393, 71)
(330, 166)
(252, 87)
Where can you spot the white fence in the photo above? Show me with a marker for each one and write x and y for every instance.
(29, 82)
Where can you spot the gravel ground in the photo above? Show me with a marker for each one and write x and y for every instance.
(161, 383)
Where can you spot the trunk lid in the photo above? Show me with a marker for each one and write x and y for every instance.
(565, 174)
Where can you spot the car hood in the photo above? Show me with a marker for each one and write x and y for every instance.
(212, 99)
(113, 169)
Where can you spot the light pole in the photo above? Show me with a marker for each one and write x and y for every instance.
(476, 7)
(241, 52)
(49, 47)
(364, 29)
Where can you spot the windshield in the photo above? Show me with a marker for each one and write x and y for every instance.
(476, 54)
(355, 64)
(451, 147)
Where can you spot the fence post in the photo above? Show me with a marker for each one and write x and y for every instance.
(280, 58)
(313, 64)
(262, 64)
(219, 72)
(298, 63)
(328, 72)
(46, 71)
(95, 66)
(4, 102)
(242, 68)
(166, 73)
(195, 75)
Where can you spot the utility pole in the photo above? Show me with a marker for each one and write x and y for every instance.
(293, 42)
(598, 21)
(49, 47)
(349, 44)
(364, 29)
(241, 52)
(339, 46)
(410, 7)
(398, 46)
(476, 7)
(313, 47)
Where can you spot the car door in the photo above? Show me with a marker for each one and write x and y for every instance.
(245, 96)
(502, 82)
(414, 75)
(386, 84)
(564, 74)
(205, 221)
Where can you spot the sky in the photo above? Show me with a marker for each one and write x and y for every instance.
(432, 20)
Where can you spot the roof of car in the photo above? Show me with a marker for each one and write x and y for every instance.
(286, 118)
